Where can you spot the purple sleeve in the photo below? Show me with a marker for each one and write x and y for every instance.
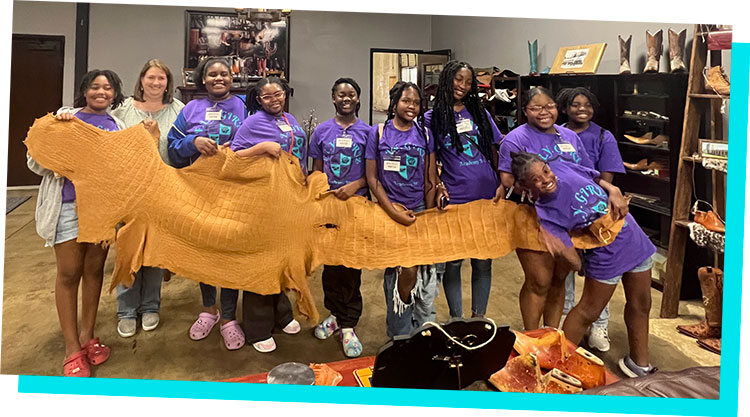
(316, 151)
(557, 231)
(581, 150)
(503, 161)
(430, 141)
(496, 135)
(371, 147)
(609, 155)
(242, 137)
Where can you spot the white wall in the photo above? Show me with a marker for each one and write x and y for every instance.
(44, 18)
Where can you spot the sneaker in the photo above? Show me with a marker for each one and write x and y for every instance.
(326, 328)
(292, 328)
(126, 327)
(149, 321)
(599, 339)
(265, 346)
(629, 368)
(350, 342)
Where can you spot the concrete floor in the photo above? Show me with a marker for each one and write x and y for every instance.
(32, 342)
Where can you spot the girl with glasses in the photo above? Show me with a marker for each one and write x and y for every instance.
(268, 130)
(466, 142)
(543, 291)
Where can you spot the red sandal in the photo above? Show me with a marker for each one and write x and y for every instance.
(96, 353)
(77, 365)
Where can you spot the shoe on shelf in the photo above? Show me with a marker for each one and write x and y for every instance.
(350, 342)
(149, 321)
(716, 81)
(638, 166)
(326, 328)
(709, 220)
(629, 368)
(648, 139)
(126, 327)
(265, 346)
(292, 328)
(598, 339)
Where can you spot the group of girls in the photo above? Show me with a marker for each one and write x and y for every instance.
(397, 163)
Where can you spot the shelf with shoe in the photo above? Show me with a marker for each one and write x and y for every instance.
(692, 228)
(504, 103)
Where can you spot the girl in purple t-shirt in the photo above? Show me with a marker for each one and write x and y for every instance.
(401, 174)
(338, 149)
(466, 143)
(579, 104)
(267, 131)
(567, 199)
(201, 127)
(543, 291)
(78, 263)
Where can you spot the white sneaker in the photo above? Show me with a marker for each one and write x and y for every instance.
(599, 339)
(126, 327)
(292, 328)
(149, 321)
(265, 346)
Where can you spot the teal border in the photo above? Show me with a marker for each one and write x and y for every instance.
(725, 406)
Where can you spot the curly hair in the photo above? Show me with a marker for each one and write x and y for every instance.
(114, 82)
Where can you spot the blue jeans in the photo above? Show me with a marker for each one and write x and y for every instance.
(570, 295)
(144, 296)
(481, 281)
(228, 300)
(400, 318)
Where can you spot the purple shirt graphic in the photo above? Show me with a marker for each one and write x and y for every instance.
(601, 146)
(342, 151)
(263, 127)
(576, 203)
(401, 158)
(564, 146)
(467, 174)
(102, 121)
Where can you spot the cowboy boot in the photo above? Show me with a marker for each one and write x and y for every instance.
(677, 50)
(711, 282)
(655, 48)
(624, 54)
(532, 57)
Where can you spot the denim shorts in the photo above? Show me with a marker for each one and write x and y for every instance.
(644, 266)
(67, 223)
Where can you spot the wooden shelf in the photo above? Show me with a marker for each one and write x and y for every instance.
(640, 174)
(654, 96)
(645, 147)
(647, 120)
(709, 96)
(654, 207)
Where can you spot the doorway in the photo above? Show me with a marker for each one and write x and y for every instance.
(36, 85)
(388, 66)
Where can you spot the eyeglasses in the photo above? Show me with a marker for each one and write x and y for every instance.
(536, 109)
(277, 95)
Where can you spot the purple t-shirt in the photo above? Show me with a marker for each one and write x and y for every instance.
(467, 175)
(102, 121)
(263, 127)
(342, 151)
(576, 203)
(402, 159)
(220, 129)
(601, 146)
(563, 146)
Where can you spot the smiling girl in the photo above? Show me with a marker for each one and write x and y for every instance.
(57, 223)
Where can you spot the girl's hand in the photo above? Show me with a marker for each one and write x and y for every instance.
(553, 243)
(499, 194)
(618, 205)
(65, 116)
(205, 146)
(442, 198)
(273, 149)
(348, 190)
(403, 215)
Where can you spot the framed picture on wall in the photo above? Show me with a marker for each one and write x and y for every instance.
(579, 59)
(256, 43)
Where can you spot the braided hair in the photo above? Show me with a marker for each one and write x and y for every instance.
(566, 96)
(200, 71)
(521, 163)
(395, 94)
(253, 93)
(88, 79)
(354, 85)
(443, 119)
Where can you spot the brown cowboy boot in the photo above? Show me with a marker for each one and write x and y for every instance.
(655, 48)
(677, 50)
(711, 281)
(625, 54)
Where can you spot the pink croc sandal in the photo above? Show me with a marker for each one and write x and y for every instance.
(234, 337)
(203, 326)
(96, 352)
(77, 365)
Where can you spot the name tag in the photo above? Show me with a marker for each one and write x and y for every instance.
(284, 127)
(392, 164)
(344, 141)
(464, 125)
(566, 147)
(213, 114)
